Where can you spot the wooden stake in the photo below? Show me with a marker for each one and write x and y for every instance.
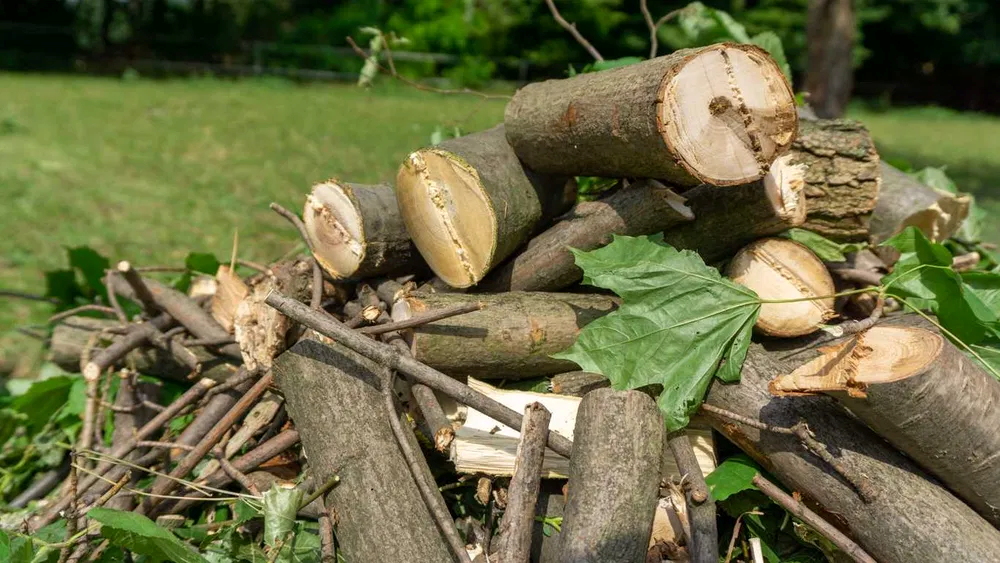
(522, 494)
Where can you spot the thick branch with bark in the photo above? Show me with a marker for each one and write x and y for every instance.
(522, 495)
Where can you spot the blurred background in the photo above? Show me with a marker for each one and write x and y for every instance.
(150, 129)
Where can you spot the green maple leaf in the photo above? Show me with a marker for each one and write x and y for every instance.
(680, 320)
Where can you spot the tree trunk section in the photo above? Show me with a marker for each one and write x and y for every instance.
(904, 201)
(841, 177)
(922, 394)
(909, 514)
(357, 231)
(718, 115)
(614, 478)
(333, 396)
(470, 202)
(547, 263)
(512, 337)
(830, 30)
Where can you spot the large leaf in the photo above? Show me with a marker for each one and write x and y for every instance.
(43, 399)
(987, 287)
(62, 285)
(203, 262)
(826, 249)
(679, 319)
(15, 549)
(770, 42)
(280, 506)
(136, 533)
(91, 266)
(732, 476)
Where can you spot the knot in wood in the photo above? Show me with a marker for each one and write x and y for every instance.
(719, 105)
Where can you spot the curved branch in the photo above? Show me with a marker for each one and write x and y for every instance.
(571, 28)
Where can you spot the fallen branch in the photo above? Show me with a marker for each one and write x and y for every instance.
(139, 289)
(704, 540)
(571, 28)
(81, 309)
(522, 494)
(654, 27)
(422, 319)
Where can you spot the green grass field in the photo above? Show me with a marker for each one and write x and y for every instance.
(149, 171)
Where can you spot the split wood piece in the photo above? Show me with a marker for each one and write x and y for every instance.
(578, 383)
(182, 308)
(357, 231)
(390, 291)
(842, 177)
(522, 494)
(704, 539)
(719, 115)
(390, 357)
(904, 202)
(923, 395)
(802, 512)
(330, 389)
(547, 264)
(71, 339)
(909, 514)
(614, 478)
(469, 203)
(259, 329)
(512, 337)
(483, 446)
(230, 291)
(781, 269)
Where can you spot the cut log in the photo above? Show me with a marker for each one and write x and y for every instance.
(357, 231)
(909, 512)
(547, 264)
(781, 269)
(904, 202)
(260, 330)
(71, 337)
(842, 177)
(718, 115)
(469, 203)
(512, 337)
(919, 392)
(614, 478)
(483, 445)
(334, 397)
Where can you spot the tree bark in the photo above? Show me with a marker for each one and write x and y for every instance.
(72, 336)
(469, 203)
(357, 231)
(904, 201)
(930, 401)
(578, 383)
(719, 115)
(841, 177)
(522, 494)
(512, 337)
(909, 513)
(830, 30)
(614, 478)
(704, 545)
(547, 263)
(334, 398)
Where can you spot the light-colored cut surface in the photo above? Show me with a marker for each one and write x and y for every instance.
(781, 269)
(737, 133)
(334, 224)
(230, 291)
(483, 445)
(448, 215)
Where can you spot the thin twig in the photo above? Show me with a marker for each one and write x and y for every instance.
(863, 277)
(162, 269)
(113, 298)
(805, 435)
(232, 382)
(704, 541)
(72, 513)
(320, 491)
(389, 357)
(522, 494)
(210, 342)
(114, 490)
(965, 262)
(253, 265)
(81, 309)
(571, 28)
(654, 27)
(802, 512)
(235, 474)
(28, 296)
(327, 545)
(295, 221)
(422, 319)
(135, 336)
(159, 444)
(861, 325)
(139, 288)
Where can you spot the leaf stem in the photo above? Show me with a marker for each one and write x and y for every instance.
(834, 296)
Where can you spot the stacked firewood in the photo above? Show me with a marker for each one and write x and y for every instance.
(390, 339)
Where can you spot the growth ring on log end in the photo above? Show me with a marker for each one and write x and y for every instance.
(718, 115)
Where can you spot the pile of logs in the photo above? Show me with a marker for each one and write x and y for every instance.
(387, 349)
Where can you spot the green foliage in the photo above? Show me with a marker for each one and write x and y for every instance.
(590, 188)
(826, 249)
(140, 535)
(280, 506)
(680, 323)
(533, 385)
(733, 475)
(203, 262)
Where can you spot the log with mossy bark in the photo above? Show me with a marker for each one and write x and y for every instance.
(357, 231)
(469, 203)
(724, 220)
(512, 337)
(841, 177)
(907, 513)
(718, 115)
(923, 395)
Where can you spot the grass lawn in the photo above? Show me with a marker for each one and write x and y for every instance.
(149, 171)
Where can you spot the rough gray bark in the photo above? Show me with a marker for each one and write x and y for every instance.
(903, 201)
(624, 122)
(512, 337)
(841, 178)
(333, 396)
(578, 383)
(469, 203)
(522, 494)
(547, 263)
(909, 515)
(614, 478)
